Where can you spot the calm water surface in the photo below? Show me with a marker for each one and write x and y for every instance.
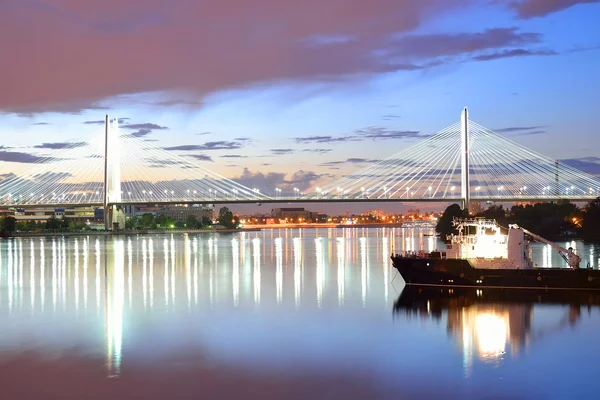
(290, 313)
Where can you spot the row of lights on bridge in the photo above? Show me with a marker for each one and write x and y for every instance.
(213, 193)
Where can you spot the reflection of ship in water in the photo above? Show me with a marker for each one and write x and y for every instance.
(488, 323)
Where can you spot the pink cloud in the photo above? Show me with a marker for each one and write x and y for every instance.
(69, 54)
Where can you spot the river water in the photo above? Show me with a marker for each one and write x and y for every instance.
(275, 314)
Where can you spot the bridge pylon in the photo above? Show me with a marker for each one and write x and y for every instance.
(113, 215)
(464, 172)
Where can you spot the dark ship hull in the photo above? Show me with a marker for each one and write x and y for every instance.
(460, 273)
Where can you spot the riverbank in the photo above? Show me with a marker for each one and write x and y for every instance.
(323, 225)
(121, 233)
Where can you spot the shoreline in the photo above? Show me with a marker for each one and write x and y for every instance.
(124, 233)
(249, 228)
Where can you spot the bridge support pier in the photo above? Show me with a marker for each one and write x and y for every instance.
(115, 219)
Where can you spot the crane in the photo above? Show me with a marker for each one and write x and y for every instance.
(568, 255)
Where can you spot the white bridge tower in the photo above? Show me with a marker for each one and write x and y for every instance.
(114, 218)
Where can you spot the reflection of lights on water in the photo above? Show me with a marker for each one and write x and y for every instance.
(76, 279)
(485, 332)
(196, 270)
(386, 267)
(115, 299)
(130, 267)
(166, 275)
(55, 277)
(85, 271)
(188, 267)
(320, 269)
(235, 271)
(172, 270)
(144, 273)
(279, 268)
(297, 249)
(9, 276)
(97, 274)
(256, 272)
(151, 271)
(491, 332)
(547, 256)
(42, 274)
(341, 271)
(32, 274)
(363, 269)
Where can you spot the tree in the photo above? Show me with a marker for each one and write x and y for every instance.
(147, 221)
(132, 222)
(495, 212)
(590, 227)
(53, 224)
(67, 225)
(226, 218)
(192, 222)
(8, 224)
(444, 226)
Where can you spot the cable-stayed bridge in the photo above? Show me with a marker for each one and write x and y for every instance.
(462, 162)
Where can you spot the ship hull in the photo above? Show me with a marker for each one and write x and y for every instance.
(460, 273)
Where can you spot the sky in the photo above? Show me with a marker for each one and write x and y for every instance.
(287, 94)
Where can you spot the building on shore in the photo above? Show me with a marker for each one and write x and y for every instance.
(177, 212)
(294, 213)
(42, 214)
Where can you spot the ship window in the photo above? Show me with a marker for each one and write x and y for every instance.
(473, 248)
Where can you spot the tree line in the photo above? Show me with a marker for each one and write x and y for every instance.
(9, 224)
(552, 220)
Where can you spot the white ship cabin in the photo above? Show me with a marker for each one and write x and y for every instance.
(482, 242)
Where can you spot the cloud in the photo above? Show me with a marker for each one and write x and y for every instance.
(52, 176)
(325, 139)
(302, 180)
(318, 151)
(526, 9)
(374, 132)
(436, 46)
(146, 125)
(591, 165)
(349, 160)
(19, 157)
(154, 162)
(274, 40)
(143, 129)
(203, 133)
(101, 121)
(522, 130)
(513, 53)
(281, 152)
(219, 145)
(201, 157)
(233, 156)
(41, 123)
(60, 145)
(141, 133)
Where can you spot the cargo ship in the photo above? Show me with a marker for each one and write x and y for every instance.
(484, 254)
